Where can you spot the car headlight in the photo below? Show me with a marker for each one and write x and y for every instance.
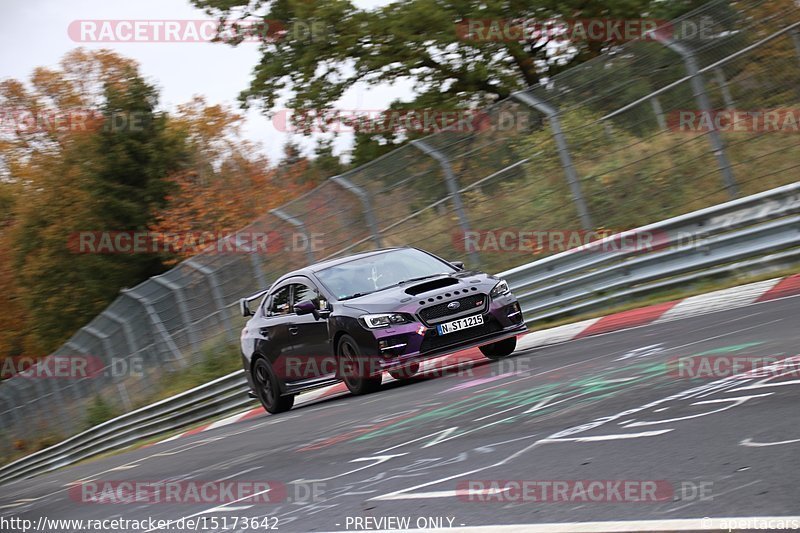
(384, 320)
(500, 289)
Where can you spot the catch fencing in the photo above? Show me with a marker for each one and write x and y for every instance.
(632, 137)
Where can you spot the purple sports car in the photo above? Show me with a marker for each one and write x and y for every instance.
(355, 317)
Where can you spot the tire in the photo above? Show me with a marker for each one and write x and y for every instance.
(405, 372)
(354, 367)
(499, 349)
(267, 388)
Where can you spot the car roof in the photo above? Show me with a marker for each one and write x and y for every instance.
(316, 267)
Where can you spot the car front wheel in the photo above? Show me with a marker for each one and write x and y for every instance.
(354, 368)
(500, 349)
(268, 389)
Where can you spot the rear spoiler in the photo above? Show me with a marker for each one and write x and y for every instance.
(244, 303)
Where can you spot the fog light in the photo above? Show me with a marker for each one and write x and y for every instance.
(391, 346)
(515, 312)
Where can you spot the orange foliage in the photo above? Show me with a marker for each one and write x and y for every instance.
(230, 184)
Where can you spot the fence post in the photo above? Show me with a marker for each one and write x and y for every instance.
(177, 290)
(12, 409)
(795, 33)
(700, 94)
(563, 153)
(59, 404)
(127, 330)
(297, 223)
(655, 102)
(104, 340)
(452, 187)
(366, 203)
(79, 348)
(15, 406)
(157, 325)
(211, 277)
(719, 77)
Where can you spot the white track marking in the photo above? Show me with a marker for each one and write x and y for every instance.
(598, 438)
(749, 442)
(721, 300)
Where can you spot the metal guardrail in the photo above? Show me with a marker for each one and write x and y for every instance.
(743, 234)
(218, 397)
(754, 231)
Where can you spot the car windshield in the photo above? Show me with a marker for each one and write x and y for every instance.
(377, 272)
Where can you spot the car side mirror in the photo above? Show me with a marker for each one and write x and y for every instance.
(458, 264)
(305, 307)
(244, 307)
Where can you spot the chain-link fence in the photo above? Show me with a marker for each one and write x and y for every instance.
(697, 113)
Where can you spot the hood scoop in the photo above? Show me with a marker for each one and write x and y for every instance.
(431, 285)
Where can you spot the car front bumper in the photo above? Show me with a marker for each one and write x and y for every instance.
(400, 346)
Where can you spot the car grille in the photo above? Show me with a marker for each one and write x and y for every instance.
(434, 341)
(473, 302)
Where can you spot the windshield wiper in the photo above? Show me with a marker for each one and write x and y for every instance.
(356, 295)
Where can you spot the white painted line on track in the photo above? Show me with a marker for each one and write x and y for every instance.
(749, 442)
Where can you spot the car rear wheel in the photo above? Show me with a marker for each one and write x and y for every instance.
(354, 368)
(405, 372)
(500, 349)
(268, 389)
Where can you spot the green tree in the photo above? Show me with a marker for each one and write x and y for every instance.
(412, 39)
(417, 40)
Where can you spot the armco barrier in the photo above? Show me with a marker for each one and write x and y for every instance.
(743, 234)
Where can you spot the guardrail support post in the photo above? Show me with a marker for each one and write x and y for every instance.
(363, 197)
(700, 94)
(211, 277)
(297, 223)
(563, 152)
(157, 325)
(452, 187)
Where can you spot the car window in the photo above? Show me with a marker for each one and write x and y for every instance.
(279, 304)
(303, 291)
(376, 272)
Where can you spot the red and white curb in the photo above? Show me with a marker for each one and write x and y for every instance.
(702, 304)
(721, 300)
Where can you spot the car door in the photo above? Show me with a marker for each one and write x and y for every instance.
(310, 338)
(273, 328)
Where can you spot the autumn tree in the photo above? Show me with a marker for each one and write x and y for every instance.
(93, 156)
(227, 184)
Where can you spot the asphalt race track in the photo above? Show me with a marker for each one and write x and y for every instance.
(440, 451)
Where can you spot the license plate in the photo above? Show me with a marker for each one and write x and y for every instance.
(461, 323)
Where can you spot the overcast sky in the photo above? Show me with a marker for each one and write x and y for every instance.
(34, 33)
